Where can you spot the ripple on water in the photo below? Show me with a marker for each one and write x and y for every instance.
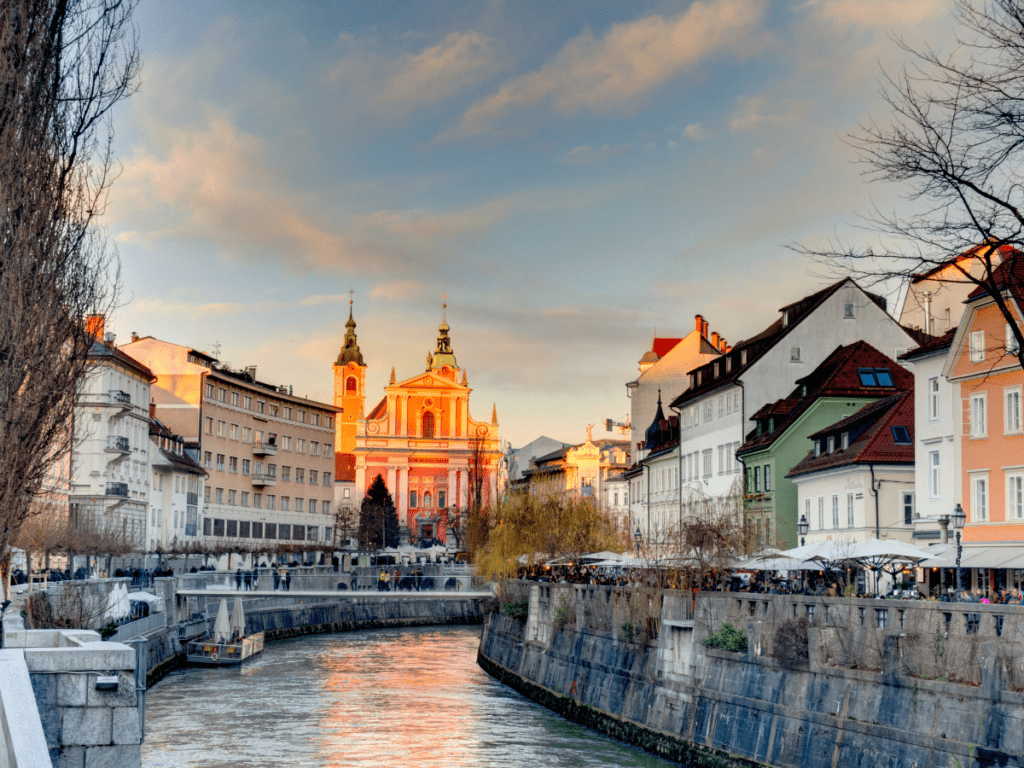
(414, 697)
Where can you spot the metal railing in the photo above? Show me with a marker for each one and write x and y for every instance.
(264, 480)
(264, 449)
(140, 627)
(115, 443)
(117, 489)
(119, 398)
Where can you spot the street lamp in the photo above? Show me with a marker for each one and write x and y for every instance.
(959, 518)
(802, 528)
(638, 537)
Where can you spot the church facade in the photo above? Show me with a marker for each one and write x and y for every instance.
(434, 457)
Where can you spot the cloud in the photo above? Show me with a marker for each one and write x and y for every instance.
(697, 132)
(439, 72)
(756, 111)
(588, 155)
(399, 290)
(614, 72)
(882, 15)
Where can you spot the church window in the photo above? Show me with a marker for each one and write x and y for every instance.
(441, 499)
(350, 384)
(428, 424)
(427, 499)
(412, 499)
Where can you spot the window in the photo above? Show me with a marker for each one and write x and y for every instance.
(246, 465)
(219, 495)
(246, 434)
(300, 475)
(831, 444)
(209, 425)
(234, 398)
(257, 530)
(206, 494)
(817, 447)
(222, 429)
(314, 477)
(933, 399)
(347, 493)
(412, 499)
(222, 395)
(245, 498)
(300, 445)
(286, 442)
(757, 478)
(314, 419)
(794, 354)
(209, 391)
(327, 478)
(300, 416)
(934, 475)
(1015, 496)
(220, 462)
(314, 448)
(835, 510)
(257, 500)
(807, 509)
(977, 346)
(875, 377)
(845, 440)
(721, 459)
(286, 473)
(979, 498)
(908, 507)
(232, 497)
(247, 403)
(709, 410)
(326, 450)
(767, 477)
(979, 425)
(261, 407)
(707, 463)
(299, 504)
(900, 435)
(208, 459)
(233, 465)
(274, 410)
(442, 499)
(848, 310)
(272, 470)
(849, 510)
(1011, 410)
(721, 400)
(288, 412)
(325, 507)
(286, 502)
(233, 432)
(1012, 348)
(821, 512)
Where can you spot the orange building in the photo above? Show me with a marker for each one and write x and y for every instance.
(983, 360)
(420, 438)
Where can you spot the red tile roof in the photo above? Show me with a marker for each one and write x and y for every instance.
(871, 437)
(345, 467)
(1008, 275)
(936, 344)
(378, 410)
(662, 347)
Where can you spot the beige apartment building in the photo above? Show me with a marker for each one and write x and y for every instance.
(269, 454)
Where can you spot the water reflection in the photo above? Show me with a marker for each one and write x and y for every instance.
(412, 697)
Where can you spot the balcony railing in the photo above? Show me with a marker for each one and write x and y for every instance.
(117, 444)
(264, 449)
(192, 499)
(264, 480)
(117, 489)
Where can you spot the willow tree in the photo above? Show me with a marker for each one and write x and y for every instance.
(64, 64)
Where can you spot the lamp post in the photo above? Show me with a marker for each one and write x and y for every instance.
(638, 537)
(802, 528)
(959, 518)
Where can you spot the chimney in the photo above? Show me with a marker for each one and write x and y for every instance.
(707, 328)
(714, 339)
(722, 346)
(152, 409)
(95, 325)
(699, 320)
(135, 336)
(109, 338)
(251, 370)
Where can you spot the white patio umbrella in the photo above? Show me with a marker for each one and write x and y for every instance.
(222, 626)
(238, 619)
(602, 556)
(887, 556)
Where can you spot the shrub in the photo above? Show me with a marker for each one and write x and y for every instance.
(563, 615)
(629, 631)
(791, 642)
(727, 638)
(517, 610)
(108, 631)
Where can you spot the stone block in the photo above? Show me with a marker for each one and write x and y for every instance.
(71, 689)
(126, 727)
(84, 658)
(68, 757)
(86, 726)
(124, 696)
(45, 689)
(50, 717)
(114, 757)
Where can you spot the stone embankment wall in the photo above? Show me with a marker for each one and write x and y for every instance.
(580, 652)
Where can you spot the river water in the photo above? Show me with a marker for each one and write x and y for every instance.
(409, 697)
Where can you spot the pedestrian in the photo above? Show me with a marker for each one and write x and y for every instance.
(380, 582)
(353, 580)
(397, 578)
(238, 579)
(255, 577)
(247, 580)
(277, 579)
(287, 580)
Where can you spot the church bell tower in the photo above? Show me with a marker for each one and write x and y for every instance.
(349, 388)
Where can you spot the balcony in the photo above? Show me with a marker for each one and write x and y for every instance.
(264, 480)
(117, 489)
(118, 445)
(264, 449)
(123, 399)
(192, 499)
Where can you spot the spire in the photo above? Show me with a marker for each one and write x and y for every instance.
(652, 436)
(443, 355)
(350, 350)
(465, 381)
(494, 413)
(393, 379)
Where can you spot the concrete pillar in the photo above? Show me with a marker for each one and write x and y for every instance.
(392, 480)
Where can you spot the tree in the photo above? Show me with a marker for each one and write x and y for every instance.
(378, 520)
(64, 65)
(346, 523)
(452, 519)
(956, 141)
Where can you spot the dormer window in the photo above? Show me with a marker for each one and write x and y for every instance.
(716, 370)
(831, 443)
(785, 319)
(817, 448)
(728, 363)
(845, 440)
(901, 435)
(698, 378)
(771, 425)
(743, 357)
(875, 377)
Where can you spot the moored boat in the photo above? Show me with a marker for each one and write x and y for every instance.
(227, 645)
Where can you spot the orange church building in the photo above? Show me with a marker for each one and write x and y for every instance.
(420, 437)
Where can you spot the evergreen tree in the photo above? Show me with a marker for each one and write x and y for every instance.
(378, 519)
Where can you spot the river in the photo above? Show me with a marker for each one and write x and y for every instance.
(409, 697)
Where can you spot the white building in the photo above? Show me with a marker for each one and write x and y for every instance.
(176, 497)
(723, 394)
(110, 460)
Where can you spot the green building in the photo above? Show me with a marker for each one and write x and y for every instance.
(851, 377)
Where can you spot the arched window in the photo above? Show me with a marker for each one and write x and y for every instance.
(350, 384)
(428, 424)
(427, 499)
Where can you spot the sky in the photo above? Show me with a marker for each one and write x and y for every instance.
(574, 177)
